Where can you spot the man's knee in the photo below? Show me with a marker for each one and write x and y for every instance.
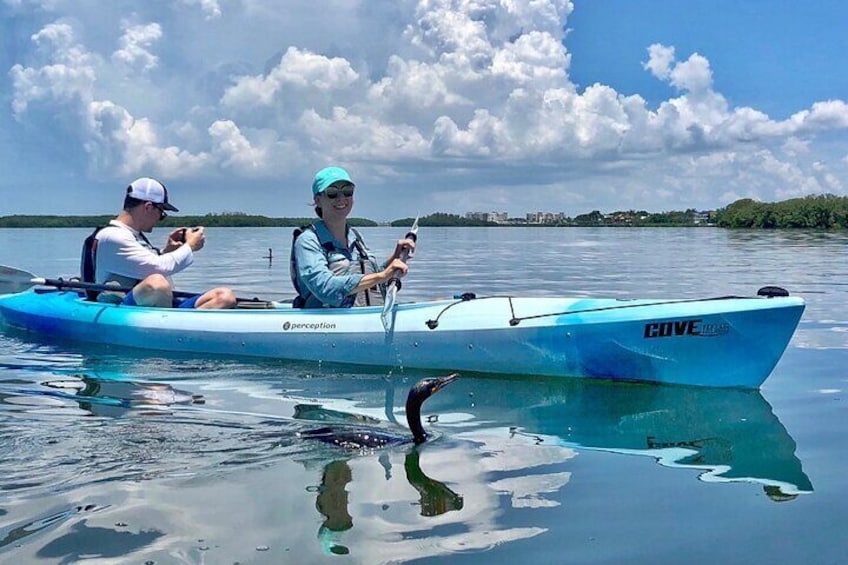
(154, 290)
(155, 283)
(225, 297)
(218, 298)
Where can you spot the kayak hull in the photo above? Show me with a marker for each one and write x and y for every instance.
(722, 342)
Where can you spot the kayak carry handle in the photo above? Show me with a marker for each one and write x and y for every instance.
(772, 291)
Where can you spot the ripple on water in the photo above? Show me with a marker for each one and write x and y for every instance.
(59, 432)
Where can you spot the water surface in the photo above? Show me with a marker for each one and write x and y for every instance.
(132, 456)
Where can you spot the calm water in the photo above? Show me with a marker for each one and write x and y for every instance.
(120, 456)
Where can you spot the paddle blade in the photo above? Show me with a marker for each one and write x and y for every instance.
(16, 280)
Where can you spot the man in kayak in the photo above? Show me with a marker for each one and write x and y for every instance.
(330, 264)
(120, 253)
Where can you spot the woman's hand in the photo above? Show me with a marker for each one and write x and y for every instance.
(402, 244)
(372, 279)
(395, 264)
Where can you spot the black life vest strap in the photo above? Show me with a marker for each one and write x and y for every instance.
(363, 256)
(88, 262)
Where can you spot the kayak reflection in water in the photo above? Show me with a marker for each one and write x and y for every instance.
(117, 396)
(728, 435)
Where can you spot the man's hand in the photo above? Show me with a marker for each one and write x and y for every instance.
(175, 240)
(195, 238)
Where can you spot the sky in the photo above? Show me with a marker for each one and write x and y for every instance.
(432, 105)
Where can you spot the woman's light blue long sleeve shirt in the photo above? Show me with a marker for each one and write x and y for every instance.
(314, 274)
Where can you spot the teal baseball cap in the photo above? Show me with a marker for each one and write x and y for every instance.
(327, 176)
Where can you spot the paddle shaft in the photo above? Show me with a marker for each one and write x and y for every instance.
(13, 281)
(62, 283)
(393, 285)
(394, 280)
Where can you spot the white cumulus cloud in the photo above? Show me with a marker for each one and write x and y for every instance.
(211, 8)
(135, 55)
(302, 71)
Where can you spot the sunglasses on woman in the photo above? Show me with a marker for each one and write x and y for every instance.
(334, 192)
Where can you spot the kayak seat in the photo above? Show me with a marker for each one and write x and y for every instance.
(257, 304)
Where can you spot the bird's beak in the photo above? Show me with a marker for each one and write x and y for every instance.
(445, 381)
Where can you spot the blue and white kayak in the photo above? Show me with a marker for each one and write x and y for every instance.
(720, 342)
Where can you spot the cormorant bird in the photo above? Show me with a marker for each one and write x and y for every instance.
(350, 437)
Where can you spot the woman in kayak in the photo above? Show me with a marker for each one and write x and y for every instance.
(330, 264)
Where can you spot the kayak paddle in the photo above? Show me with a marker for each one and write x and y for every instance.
(387, 317)
(14, 280)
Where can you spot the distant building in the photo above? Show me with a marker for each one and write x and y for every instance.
(494, 217)
(545, 217)
(703, 217)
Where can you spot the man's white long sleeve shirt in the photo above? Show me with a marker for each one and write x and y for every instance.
(124, 255)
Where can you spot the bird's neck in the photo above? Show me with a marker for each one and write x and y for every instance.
(413, 419)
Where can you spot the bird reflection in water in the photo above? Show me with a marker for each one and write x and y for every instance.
(359, 433)
(435, 498)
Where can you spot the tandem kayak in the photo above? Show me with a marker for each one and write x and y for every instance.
(718, 342)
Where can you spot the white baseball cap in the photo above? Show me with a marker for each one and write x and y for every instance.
(151, 190)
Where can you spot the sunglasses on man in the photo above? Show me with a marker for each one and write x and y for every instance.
(334, 191)
(161, 208)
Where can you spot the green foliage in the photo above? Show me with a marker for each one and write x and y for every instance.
(22, 221)
(362, 222)
(593, 218)
(441, 219)
(824, 211)
(641, 218)
(673, 218)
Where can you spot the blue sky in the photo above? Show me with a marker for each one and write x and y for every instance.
(437, 105)
(775, 55)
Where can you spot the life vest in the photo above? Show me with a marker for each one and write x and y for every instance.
(362, 264)
(88, 261)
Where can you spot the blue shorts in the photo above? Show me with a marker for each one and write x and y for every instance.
(129, 300)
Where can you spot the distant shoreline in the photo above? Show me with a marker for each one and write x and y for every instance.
(245, 221)
(209, 220)
(815, 212)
